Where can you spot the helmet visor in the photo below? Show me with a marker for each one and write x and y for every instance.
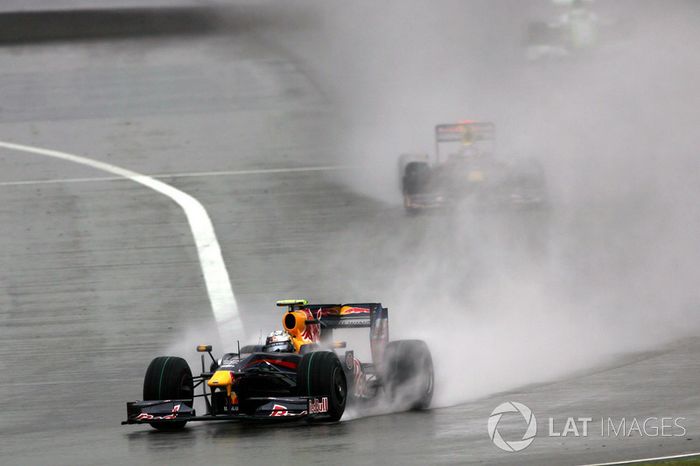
(279, 347)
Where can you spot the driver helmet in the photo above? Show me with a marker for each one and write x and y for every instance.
(278, 342)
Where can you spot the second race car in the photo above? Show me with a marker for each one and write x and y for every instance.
(470, 172)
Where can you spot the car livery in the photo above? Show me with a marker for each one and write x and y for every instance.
(307, 382)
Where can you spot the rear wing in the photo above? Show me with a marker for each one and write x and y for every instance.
(351, 315)
(466, 133)
(356, 315)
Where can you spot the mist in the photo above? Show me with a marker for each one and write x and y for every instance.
(511, 298)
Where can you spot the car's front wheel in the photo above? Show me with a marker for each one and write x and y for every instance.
(168, 378)
(320, 375)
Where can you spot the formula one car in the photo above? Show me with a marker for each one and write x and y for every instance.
(572, 33)
(575, 29)
(295, 375)
(470, 172)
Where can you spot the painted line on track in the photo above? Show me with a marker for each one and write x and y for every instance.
(263, 171)
(643, 460)
(216, 278)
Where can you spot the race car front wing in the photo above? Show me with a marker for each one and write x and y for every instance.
(271, 408)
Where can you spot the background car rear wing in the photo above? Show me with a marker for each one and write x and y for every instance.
(465, 133)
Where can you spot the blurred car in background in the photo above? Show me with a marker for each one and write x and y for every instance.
(469, 172)
(573, 31)
(574, 28)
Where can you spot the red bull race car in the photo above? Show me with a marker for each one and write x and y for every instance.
(469, 172)
(298, 373)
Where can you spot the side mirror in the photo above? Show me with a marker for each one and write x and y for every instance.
(205, 349)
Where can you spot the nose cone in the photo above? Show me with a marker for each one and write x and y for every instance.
(221, 379)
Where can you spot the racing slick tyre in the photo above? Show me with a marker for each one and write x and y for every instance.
(408, 373)
(321, 375)
(168, 378)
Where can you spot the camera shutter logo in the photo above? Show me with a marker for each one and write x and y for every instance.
(514, 445)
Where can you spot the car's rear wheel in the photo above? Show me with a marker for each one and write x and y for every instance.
(408, 373)
(320, 375)
(168, 378)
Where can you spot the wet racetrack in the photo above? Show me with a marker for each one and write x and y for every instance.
(100, 275)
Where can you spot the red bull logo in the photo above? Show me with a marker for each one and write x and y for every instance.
(151, 417)
(347, 310)
(279, 410)
(318, 405)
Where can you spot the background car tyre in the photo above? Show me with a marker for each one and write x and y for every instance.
(416, 178)
(321, 375)
(168, 378)
(408, 373)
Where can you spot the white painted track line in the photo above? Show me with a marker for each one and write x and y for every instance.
(216, 278)
(264, 171)
(644, 460)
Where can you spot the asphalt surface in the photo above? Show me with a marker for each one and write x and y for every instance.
(100, 276)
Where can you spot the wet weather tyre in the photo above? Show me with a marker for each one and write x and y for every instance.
(168, 378)
(408, 373)
(321, 375)
(416, 178)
